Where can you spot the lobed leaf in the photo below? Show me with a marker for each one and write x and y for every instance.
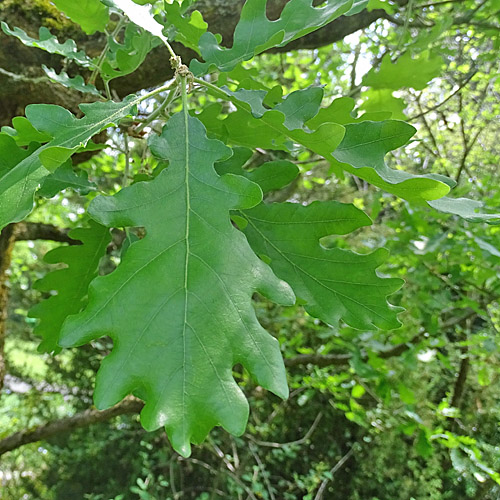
(334, 283)
(71, 283)
(76, 83)
(21, 171)
(362, 153)
(178, 307)
(51, 44)
(358, 147)
(189, 29)
(124, 58)
(255, 33)
(401, 73)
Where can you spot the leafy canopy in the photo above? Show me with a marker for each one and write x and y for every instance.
(200, 238)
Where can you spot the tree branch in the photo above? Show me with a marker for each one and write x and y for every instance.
(38, 231)
(68, 424)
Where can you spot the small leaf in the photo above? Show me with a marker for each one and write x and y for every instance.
(188, 29)
(76, 83)
(124, 58)
(24, 133)
(70, 283)
(270, 176)
(65, 177)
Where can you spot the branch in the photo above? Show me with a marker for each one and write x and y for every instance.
(221, 16)
(83, 419)
(323, 360)
(38, 231)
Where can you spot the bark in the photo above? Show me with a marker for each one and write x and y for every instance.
(221, 16)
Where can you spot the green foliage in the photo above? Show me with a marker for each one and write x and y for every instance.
(49, 43)
(255, 33)
(21, 171)
(250, 182)
(71, 283)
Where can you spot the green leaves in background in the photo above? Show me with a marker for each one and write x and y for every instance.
(255, 33)
(178, 306)
(21, 171)
(71, 283)
(91, 15)
(49, 43)
(334, 283)
(403, 73)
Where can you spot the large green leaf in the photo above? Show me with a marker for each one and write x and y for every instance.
(334, 283)
(71, 283)
(21, 171)
(178, 307)
(50, 43)
(91, 15)
(255, 33)
(362, 153)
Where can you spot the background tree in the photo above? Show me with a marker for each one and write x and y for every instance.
(408, 413)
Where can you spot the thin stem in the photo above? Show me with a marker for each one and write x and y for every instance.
(159, 90)
(102, 56)
(169, 47)
(158, 111)
(126, 172)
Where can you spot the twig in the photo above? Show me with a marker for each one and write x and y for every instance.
(453, 94)
(302, 440)
(333, 470)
